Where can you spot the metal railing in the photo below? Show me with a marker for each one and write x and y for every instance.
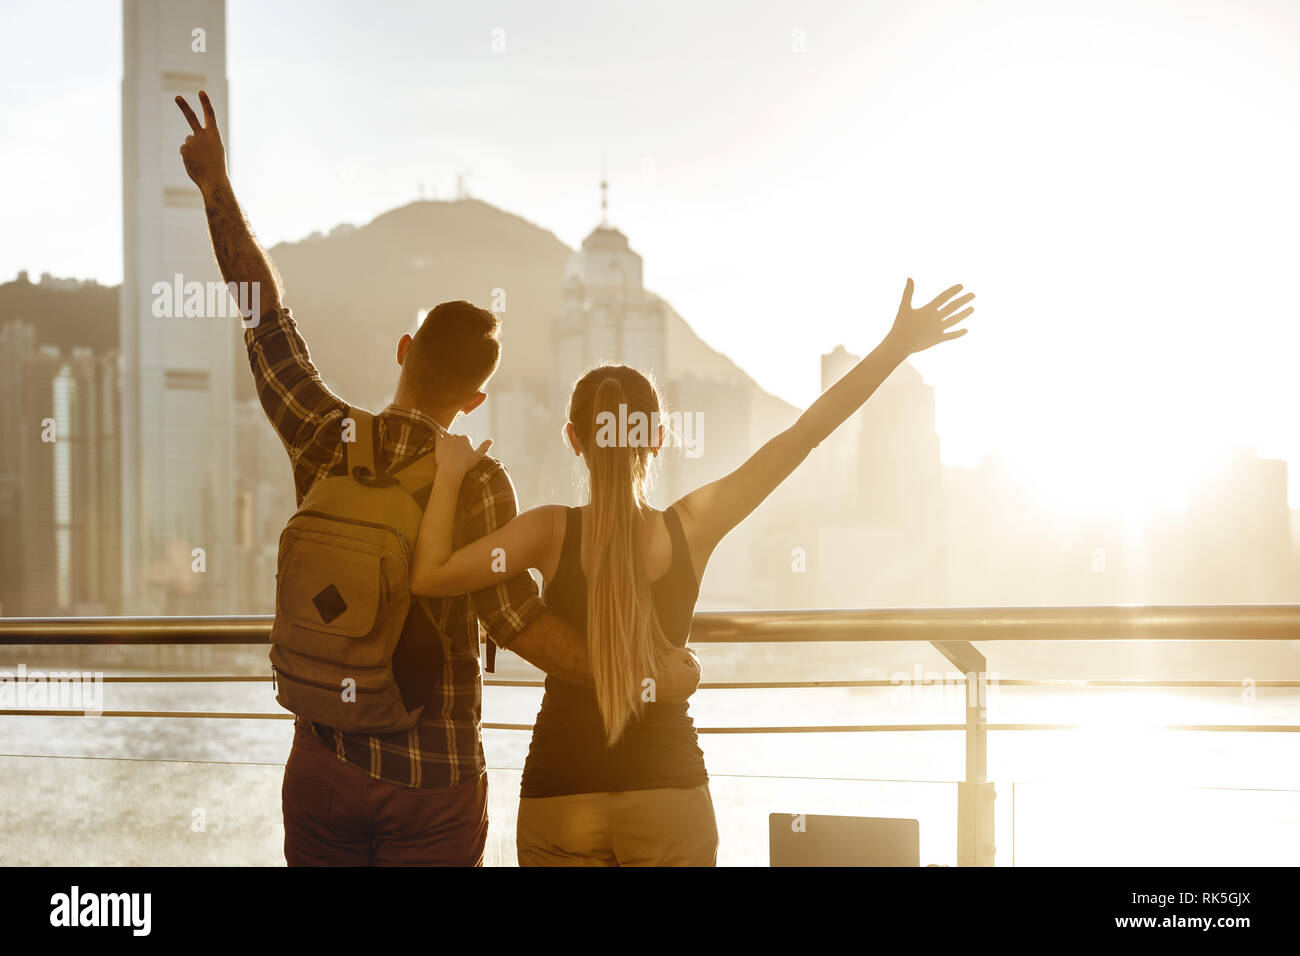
(952, 631)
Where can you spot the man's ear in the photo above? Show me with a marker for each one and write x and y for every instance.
(473, 403)
(403, 346)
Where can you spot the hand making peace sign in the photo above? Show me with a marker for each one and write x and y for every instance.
(203, 152)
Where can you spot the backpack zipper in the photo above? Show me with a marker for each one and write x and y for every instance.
(323, 686)
(369, 524)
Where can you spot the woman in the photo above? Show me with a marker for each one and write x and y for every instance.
(614, 774)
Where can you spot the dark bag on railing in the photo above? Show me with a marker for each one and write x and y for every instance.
(343, 592)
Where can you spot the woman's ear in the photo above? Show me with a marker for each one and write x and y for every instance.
(571, 433)
(659, 441)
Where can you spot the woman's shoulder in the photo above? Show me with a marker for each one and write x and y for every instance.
(547, 516)
(546, 527)
(681, 518)
(544, 524)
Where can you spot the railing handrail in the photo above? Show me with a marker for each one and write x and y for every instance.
(1178, 622)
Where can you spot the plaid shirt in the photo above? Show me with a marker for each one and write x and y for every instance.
(445, 747)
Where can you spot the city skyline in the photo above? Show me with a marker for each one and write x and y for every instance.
(177, 420)
(1147, 348)
(935, 535)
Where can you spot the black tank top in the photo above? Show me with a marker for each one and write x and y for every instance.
(568, 753)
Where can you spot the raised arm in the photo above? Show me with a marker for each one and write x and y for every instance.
(295, 399)
(239, 256)
(710, 512)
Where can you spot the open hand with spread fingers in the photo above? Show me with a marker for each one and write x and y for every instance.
(916, 329)
(203, 152)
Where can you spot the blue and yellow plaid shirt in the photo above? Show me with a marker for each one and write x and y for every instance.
(437, 660)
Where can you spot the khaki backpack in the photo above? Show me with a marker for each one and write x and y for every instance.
(343, 592)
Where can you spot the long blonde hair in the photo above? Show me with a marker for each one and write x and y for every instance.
(624, 640)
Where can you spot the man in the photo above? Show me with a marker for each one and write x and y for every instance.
(418, 796)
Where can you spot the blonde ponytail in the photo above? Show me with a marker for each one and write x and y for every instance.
(624, 640)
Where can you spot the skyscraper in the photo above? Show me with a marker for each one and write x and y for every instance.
(608, 316)
(46, 509)
(108, 517)
(17, 343)
(177, 393)
(883, 484)
(59, 531)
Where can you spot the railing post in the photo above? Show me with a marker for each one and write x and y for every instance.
(975, 846)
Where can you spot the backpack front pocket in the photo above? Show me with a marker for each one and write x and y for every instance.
(330, 593)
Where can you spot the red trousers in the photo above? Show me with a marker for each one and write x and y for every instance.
(335, 814)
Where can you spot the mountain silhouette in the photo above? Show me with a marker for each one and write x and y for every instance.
(355, 291)
(66, 313)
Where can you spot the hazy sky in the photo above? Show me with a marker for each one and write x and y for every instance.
(1116, 180)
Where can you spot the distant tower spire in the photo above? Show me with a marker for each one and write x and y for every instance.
(604, 193)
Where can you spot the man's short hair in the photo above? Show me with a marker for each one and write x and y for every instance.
(453, 353)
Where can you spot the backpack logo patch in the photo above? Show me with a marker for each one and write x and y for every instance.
(329, 603)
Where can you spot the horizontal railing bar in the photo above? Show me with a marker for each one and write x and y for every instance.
(730, 776)
(832, 729)
(132, 631)
(168, 714)
(1190, 622)
(1136, 682)
(1060, 683)
(1064, 684)
(796, 729)
(885, 728)
(1073, 784)
(174, 678)
(491, 769)
(1070, 623)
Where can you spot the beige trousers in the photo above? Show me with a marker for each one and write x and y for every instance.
(665, 827)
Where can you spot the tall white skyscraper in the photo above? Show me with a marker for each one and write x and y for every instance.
(608, 316)
(177, 394)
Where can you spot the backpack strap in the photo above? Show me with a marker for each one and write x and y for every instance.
(418, 475)
(360, 453)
